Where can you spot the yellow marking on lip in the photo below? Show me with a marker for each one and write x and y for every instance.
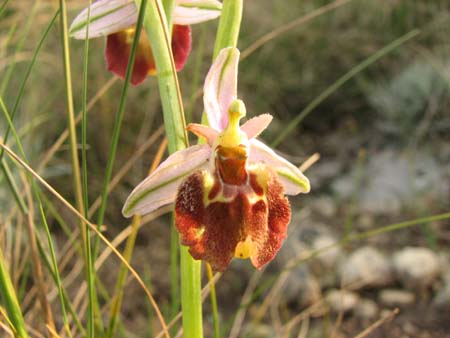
(245, 249)
(200, 231)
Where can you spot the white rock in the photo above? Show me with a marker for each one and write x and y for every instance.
(330, 252)
(341, 301)
(396, 297)
(416, 268)
(366, 267)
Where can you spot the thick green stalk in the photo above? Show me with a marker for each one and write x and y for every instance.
(229, 25)
(156, 27)
(191, 300)
(11, 303)
(169, 6)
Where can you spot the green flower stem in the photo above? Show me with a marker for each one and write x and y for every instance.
(10, 300)
(156, 27)
(174, 122)
(169, 6)
(229, 25)
(191, 300)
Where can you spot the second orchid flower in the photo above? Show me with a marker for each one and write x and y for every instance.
(116, 20)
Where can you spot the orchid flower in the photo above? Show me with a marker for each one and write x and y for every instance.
(229, 192)
(116, 20)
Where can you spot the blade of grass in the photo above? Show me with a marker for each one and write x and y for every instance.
(77, 182)
(213, 301)
(12, 306)
(90, 274)
(341, 81)
(70, 109)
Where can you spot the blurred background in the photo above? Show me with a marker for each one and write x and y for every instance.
(369, 114)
